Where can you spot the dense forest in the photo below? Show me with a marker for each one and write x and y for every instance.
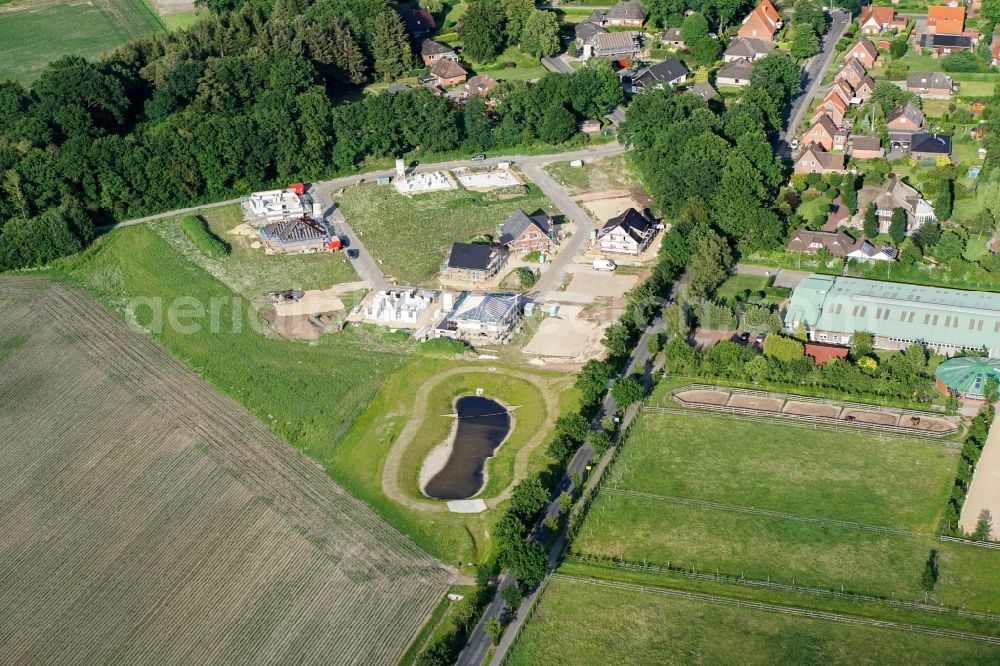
(240, 101)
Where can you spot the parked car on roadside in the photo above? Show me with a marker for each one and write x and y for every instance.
(352, 254)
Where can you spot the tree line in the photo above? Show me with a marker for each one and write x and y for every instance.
(239, 102)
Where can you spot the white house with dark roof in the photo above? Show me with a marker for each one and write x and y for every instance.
(629, 233)
(747, 48)
(736, 73)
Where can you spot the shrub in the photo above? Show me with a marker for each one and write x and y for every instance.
(207, 243)
(443, 347)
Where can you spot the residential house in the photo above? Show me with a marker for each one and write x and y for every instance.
(837, 243)
(840, 138)
(671, 38)
(470, 262)
(480, 84)
(481, 317)
(868, 251)
(431, 52)
(864, 51)
(942, 20)
(852, 72)
(616, 45)
(866, 148)
(876, 20)
(892, 194)
(925, 146)
(762, 22)
(297, 234)
(671, 72)
(863, 90)
(930, 85)
(628, 233)
(585, 33)
(417, 21)
(749, 48)
(940, 45)
(832, 106)
(905, 119)
(736, 73)
(626, 13)
(842, 90)
(448, 73)
(522, 233)
(821, 133)
(704, 90)
(814, 160)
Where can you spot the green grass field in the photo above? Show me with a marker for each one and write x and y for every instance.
(607, 173)
(33, 36)
(876, 481)
(737, 283)
(411, 235)
(581, 623)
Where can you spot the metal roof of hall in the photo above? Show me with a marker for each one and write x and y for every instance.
(938, 315)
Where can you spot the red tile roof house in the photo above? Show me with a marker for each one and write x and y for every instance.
(762, 22)
(822, 353)
(431, 52)
(864, 51)
(821, 133)
(842, 89)
(863, 90)
(522, 233)
(448, 73)
(943, 20)
(876, 20)
(833, 106)
(852, 72)
(814, 160)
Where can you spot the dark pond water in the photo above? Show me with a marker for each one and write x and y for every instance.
(482, 426)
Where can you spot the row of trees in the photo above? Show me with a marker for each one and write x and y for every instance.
(704, 166)
(238, 103)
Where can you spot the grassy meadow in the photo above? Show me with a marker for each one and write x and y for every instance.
(816, 475)
(410, 236)
(31, 36)
(583, 623)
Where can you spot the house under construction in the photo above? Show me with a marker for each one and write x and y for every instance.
(297, 235)
(481, 317)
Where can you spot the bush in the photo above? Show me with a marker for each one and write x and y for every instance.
(207, 243)
(963, 61)
(443, 347)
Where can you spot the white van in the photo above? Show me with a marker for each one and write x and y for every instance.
(604, 265)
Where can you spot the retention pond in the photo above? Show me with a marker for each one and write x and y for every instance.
(483, 424)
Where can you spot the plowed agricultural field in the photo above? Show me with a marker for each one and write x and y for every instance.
(146, 519)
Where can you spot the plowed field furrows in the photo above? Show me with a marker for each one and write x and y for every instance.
(146, 519)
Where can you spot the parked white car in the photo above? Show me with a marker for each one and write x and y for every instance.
(604, 265)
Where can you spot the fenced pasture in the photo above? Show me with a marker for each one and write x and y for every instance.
(33, 33)
(583, 621)
(853, 511)
(149, 519)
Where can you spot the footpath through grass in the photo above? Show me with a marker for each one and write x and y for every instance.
(582, 623)
(410, 236)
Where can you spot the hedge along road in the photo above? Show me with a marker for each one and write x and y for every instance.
(390, 471)
(368, 269)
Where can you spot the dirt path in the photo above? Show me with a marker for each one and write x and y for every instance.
(390, 470)
(984, 493)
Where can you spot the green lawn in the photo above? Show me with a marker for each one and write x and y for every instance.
(608, 173)
(738, 283)
(868, 479)
(582, 623)
(410, 236)
(33, 36)
(182, 20)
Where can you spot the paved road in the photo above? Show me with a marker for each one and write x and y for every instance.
(812, 75)
(557, 65)
(783, 277)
